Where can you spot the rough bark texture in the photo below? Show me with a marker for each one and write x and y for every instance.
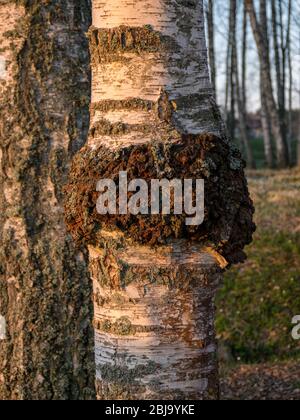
(266, 127)
(45, 288)
(153, 113)
(211, 43)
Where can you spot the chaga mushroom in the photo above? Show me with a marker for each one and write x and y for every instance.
(228, 221)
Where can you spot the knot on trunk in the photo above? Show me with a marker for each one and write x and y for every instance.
(228, 210)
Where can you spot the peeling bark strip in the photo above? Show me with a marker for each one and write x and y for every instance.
(44, 282)
(153, 114)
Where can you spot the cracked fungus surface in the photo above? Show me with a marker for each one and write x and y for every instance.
(228, 225)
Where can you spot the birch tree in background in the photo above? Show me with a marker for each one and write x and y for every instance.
(260, 31)
(279, 56)
(230, 106)
(210, 10)
(240, 93)
(298, 131)
(291, 78)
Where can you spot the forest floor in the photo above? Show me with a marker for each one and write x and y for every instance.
(277, 381)
(259, 357)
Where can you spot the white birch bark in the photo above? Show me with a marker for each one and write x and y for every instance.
(182, 71)
(154, 319)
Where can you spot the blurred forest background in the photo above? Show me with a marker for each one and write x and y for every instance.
(254, 53)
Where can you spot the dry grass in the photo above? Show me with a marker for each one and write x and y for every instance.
(279, 381)
(260, 298)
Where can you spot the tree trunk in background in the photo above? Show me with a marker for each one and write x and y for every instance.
(154, 116)
(260, 32)
(283, 46)
(244, 58)
(298, 145)
(276, 51)
(45, 289)
(231, 77)
(267, 135)
(298, 137)
(211, 43)
(227, 87)
(241, 109)
(265, 115)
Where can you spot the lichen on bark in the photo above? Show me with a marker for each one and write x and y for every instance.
(154, 115)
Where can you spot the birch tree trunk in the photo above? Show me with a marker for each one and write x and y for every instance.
(298, 144)
(283, 47)
(278, 64)
(154, 115)
(259, 29)
(45, 292)
(211, 42)
(239, 95)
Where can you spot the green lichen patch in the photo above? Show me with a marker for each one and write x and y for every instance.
(123, 327)
(228, 223)
(124, 376)
(104, 127)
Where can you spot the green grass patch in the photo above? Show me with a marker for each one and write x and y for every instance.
(259, 299)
